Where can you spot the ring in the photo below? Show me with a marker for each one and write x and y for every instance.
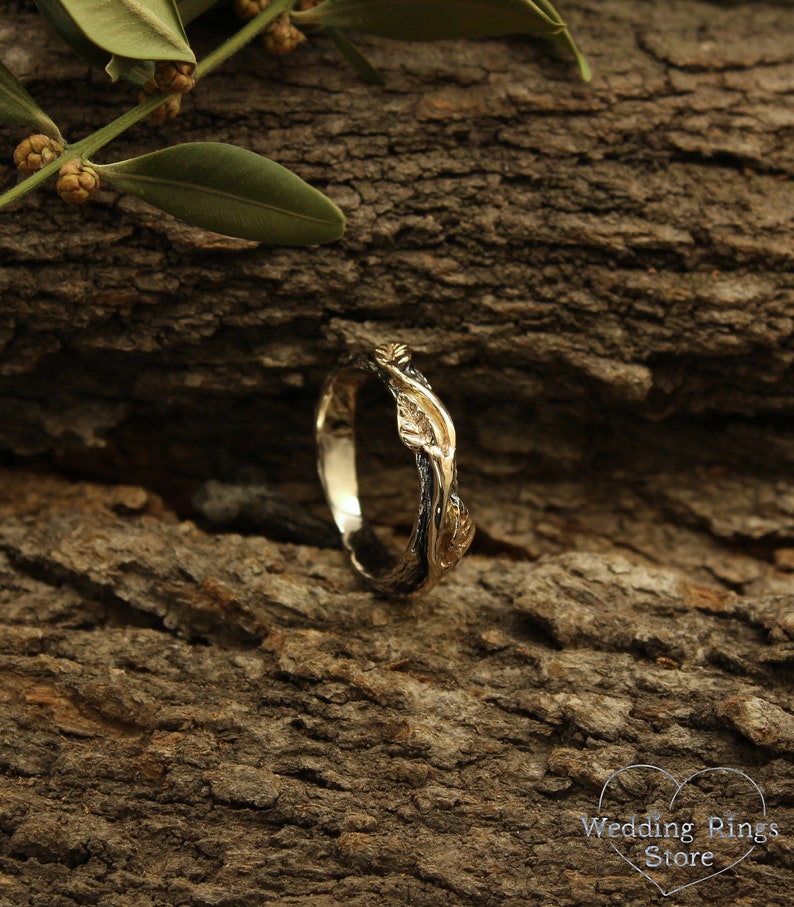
(443, 529)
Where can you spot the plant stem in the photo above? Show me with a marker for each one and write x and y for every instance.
(247, 33)
(92, 143)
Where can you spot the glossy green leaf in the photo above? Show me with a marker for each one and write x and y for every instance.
(137, 29)
(433, 20)
(19, 108)
(355, 58)
(232, 191)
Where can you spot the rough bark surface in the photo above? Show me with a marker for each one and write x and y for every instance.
(200, 704)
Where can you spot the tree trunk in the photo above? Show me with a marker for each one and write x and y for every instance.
(201, 705)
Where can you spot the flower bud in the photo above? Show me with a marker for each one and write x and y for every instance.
(174, 78)
(281, 36)
(35, 152)
(167, 110)
(77, 182)
(250, 9)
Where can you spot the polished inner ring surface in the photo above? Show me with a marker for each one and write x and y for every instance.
(443, 529)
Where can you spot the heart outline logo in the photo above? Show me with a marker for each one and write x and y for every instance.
(678, 788)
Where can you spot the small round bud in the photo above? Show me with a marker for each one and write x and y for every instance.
(35, 152)
(174, 78)
(77, 182)
(167, 110)
(281, 36)
(250, 9)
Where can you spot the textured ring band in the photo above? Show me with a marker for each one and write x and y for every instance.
(443, 529)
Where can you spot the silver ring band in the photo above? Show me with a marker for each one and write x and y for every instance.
(443, 529)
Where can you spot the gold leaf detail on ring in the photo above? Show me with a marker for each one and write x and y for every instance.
(457, 532)
(416, 430)
(397, 354)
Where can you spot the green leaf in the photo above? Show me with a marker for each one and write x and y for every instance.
(433, 20)
(566, 41)
(192, 9)
(355, 58)
(19, 108)
(137, 29)
(66, 28)
(138, 72)
(232, 191)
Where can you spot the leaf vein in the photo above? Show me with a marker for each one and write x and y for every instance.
(198, 188)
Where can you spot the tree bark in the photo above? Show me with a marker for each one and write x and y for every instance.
(200, 703)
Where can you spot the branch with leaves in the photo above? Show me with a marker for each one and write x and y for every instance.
(213, 185)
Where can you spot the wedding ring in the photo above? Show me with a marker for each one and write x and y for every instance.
(443, 529)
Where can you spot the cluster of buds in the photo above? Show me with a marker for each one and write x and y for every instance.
(77, 182)
(281, 36)
(167, 110)
(250, 9)
(35, 152)
(174, 78)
